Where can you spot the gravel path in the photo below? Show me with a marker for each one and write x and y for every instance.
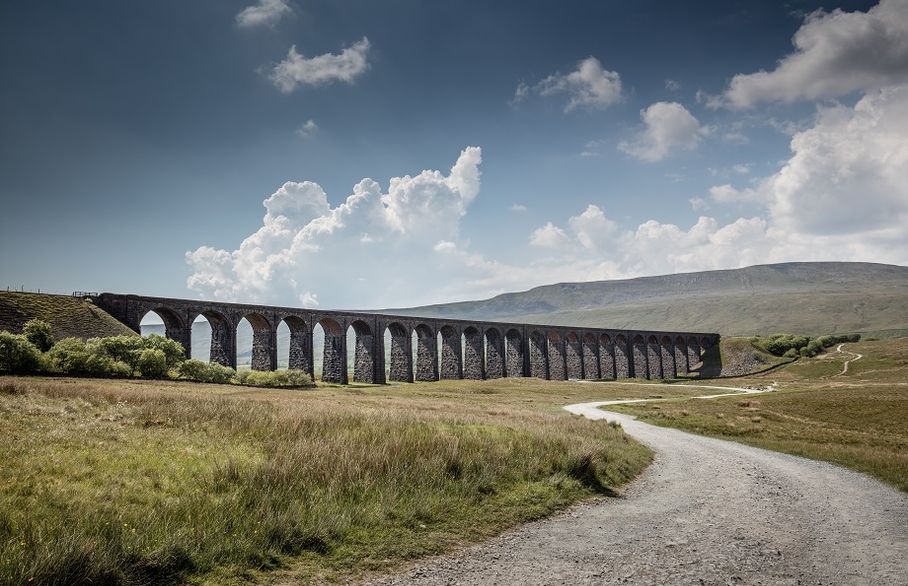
(706, 511)
(855, 357)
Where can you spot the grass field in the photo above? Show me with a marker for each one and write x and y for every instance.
(112, 481)
(858, 420)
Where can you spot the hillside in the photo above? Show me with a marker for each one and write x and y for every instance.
(809, 298)
(68, 316)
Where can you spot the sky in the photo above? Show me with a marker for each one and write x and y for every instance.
(366, 154)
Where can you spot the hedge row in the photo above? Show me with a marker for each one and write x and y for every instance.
(154, 356)
(791, 345)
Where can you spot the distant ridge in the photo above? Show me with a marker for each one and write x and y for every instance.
(803, 297)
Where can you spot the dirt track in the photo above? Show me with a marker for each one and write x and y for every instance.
(706, 512)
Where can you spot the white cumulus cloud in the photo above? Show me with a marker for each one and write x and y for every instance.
(836, 53)
(305, 246)
(588, 86)
(308, 129)
(548, 236)
(265, 13)
(345, 66)
(667, 127)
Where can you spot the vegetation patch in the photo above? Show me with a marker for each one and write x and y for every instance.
(124, 482)
(855, 420)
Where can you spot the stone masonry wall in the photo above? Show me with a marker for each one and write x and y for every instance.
(450, 367)
(472, 356)
(654, 361)
(426, 359)
(514, 354)
(494, 356)
(401, 356)
(573, 358)
(668, 361)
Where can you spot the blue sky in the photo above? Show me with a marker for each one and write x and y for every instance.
(140, 141)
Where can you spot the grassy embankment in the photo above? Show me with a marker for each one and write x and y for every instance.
(857, 420)
(68, 316)
(117, 481)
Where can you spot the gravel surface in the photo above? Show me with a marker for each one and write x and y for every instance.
(706, 511)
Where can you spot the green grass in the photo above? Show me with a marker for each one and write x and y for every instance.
(857, 420)
(111, 481)
(68, 316)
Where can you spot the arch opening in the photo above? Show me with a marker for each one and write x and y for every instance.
(573, 357)
(494, 354)
(607, 357)
(590, 348)
(398, 353)
(473, 363)
(622, 358)
(361, 352)
(294, 345)
(450, 357)
(513, 354)
(213, 339)
(255, 343)
(330, 336)
(539, 360)
(426, 353)
(557, 364)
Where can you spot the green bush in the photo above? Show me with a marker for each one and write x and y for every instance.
(38, 332)
(18, 354)
(152, 363)
(275, 378)
(172, 350)
(73, 356)
(120, 348)
(206, 372)
(791, 345)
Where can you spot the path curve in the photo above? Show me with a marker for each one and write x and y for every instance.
(707, 511)
(850, 360)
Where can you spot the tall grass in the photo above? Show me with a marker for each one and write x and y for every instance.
(117, 487)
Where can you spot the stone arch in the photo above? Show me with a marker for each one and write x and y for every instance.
(653, 358)
(590, 357)
(426, 353)
(539, 359)
(680, 355)
(573, 357)
(174, 327)
(638, 366)
(693, 352)
(606, 357)
(298, 355)
(513, 353)
(473, 367)
(669, 370)
(400, 355)
(705, 343)
(557, 366)
(363, 352)
(334, 352)
(622, 358)
(494, 354)
(451, 358)
(263, 354)
(220, 336)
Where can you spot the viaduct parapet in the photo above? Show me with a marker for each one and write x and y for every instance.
(445, 348)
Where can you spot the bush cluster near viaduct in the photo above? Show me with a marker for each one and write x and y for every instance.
(469, 349)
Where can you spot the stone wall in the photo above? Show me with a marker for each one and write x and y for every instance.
(591, 358)
(638, 367)
(401, 355)
(557, 366)
(426, 358)
(654, 360)
(334, 361)
(668, 360)
(494, 354)
(472, 354)
(450, 366)
(681, 358)
(607, 359)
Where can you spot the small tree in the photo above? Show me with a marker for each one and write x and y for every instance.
(38, 332)
(173, 351)
(153, 363)
(17, 354)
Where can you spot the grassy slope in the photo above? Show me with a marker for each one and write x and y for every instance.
(855, 420)
(68, 316)
(106, 479)
(809, 298)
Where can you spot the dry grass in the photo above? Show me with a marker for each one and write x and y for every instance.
(857, 420)
(159, 482)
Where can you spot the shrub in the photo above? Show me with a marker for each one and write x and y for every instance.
(275, 378)
(173, 351)
(18, 354)
(120, 348)
(38, 332)
(152, 363)
(206, 372)
(73, 356)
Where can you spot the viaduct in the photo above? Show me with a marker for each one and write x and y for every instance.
(469, 349)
